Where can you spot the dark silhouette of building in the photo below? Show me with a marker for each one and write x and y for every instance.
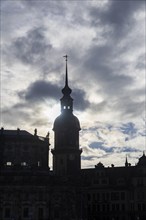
(20, 148)
(29, 190)
(66, 153)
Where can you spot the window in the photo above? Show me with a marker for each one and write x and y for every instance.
(40, 196)
(61, 161)
(140, 182)
(26, 212)
(9, 163)
(56, 212)
(98, 207)
(117, 207)
(132, 206)
(122, 195)
(96, 181)
(141, 206)
(120, 181)
(113, 207)
(103, 207)
(23, 164)
(93, 196)
(104, 181)
(98, 196)
(7, 212)
(26, 196)
(89, 197)
(140, 195)
(114, 196)
(40, 213)
(123, 207)
(64, 107)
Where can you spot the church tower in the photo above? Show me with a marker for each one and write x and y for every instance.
(66, 152)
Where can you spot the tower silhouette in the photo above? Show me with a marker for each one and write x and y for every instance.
(66, 152)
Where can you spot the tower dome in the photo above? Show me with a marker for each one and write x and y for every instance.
(142, 160)
(66, 122)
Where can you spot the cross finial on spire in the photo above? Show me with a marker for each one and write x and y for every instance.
(65, 57)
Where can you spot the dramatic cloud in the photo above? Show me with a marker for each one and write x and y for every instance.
(105, 41)
(39, 90)
(112, 16)
(32, 48)
(42, 90)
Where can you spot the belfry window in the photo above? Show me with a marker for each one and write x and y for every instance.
(68, 107)
(64, 107)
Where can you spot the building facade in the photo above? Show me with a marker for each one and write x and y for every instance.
(29, 190)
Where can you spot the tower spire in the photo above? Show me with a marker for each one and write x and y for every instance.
(66, 90)
(126, 162)
(66, 100)
(66, 73)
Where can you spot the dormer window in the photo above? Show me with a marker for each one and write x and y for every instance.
(24, 164)
(9, 163)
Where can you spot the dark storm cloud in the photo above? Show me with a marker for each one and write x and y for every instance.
(103, 60)
(99, 61)
(34, 50)
(118, 15)
(31, 99)
(113, 81)
(80, 102)
(31, 48)
(113, 84)
(40, 90)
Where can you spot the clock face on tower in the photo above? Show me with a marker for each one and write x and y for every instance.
(71, 157)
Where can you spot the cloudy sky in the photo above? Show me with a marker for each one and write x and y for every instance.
(105, 42)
